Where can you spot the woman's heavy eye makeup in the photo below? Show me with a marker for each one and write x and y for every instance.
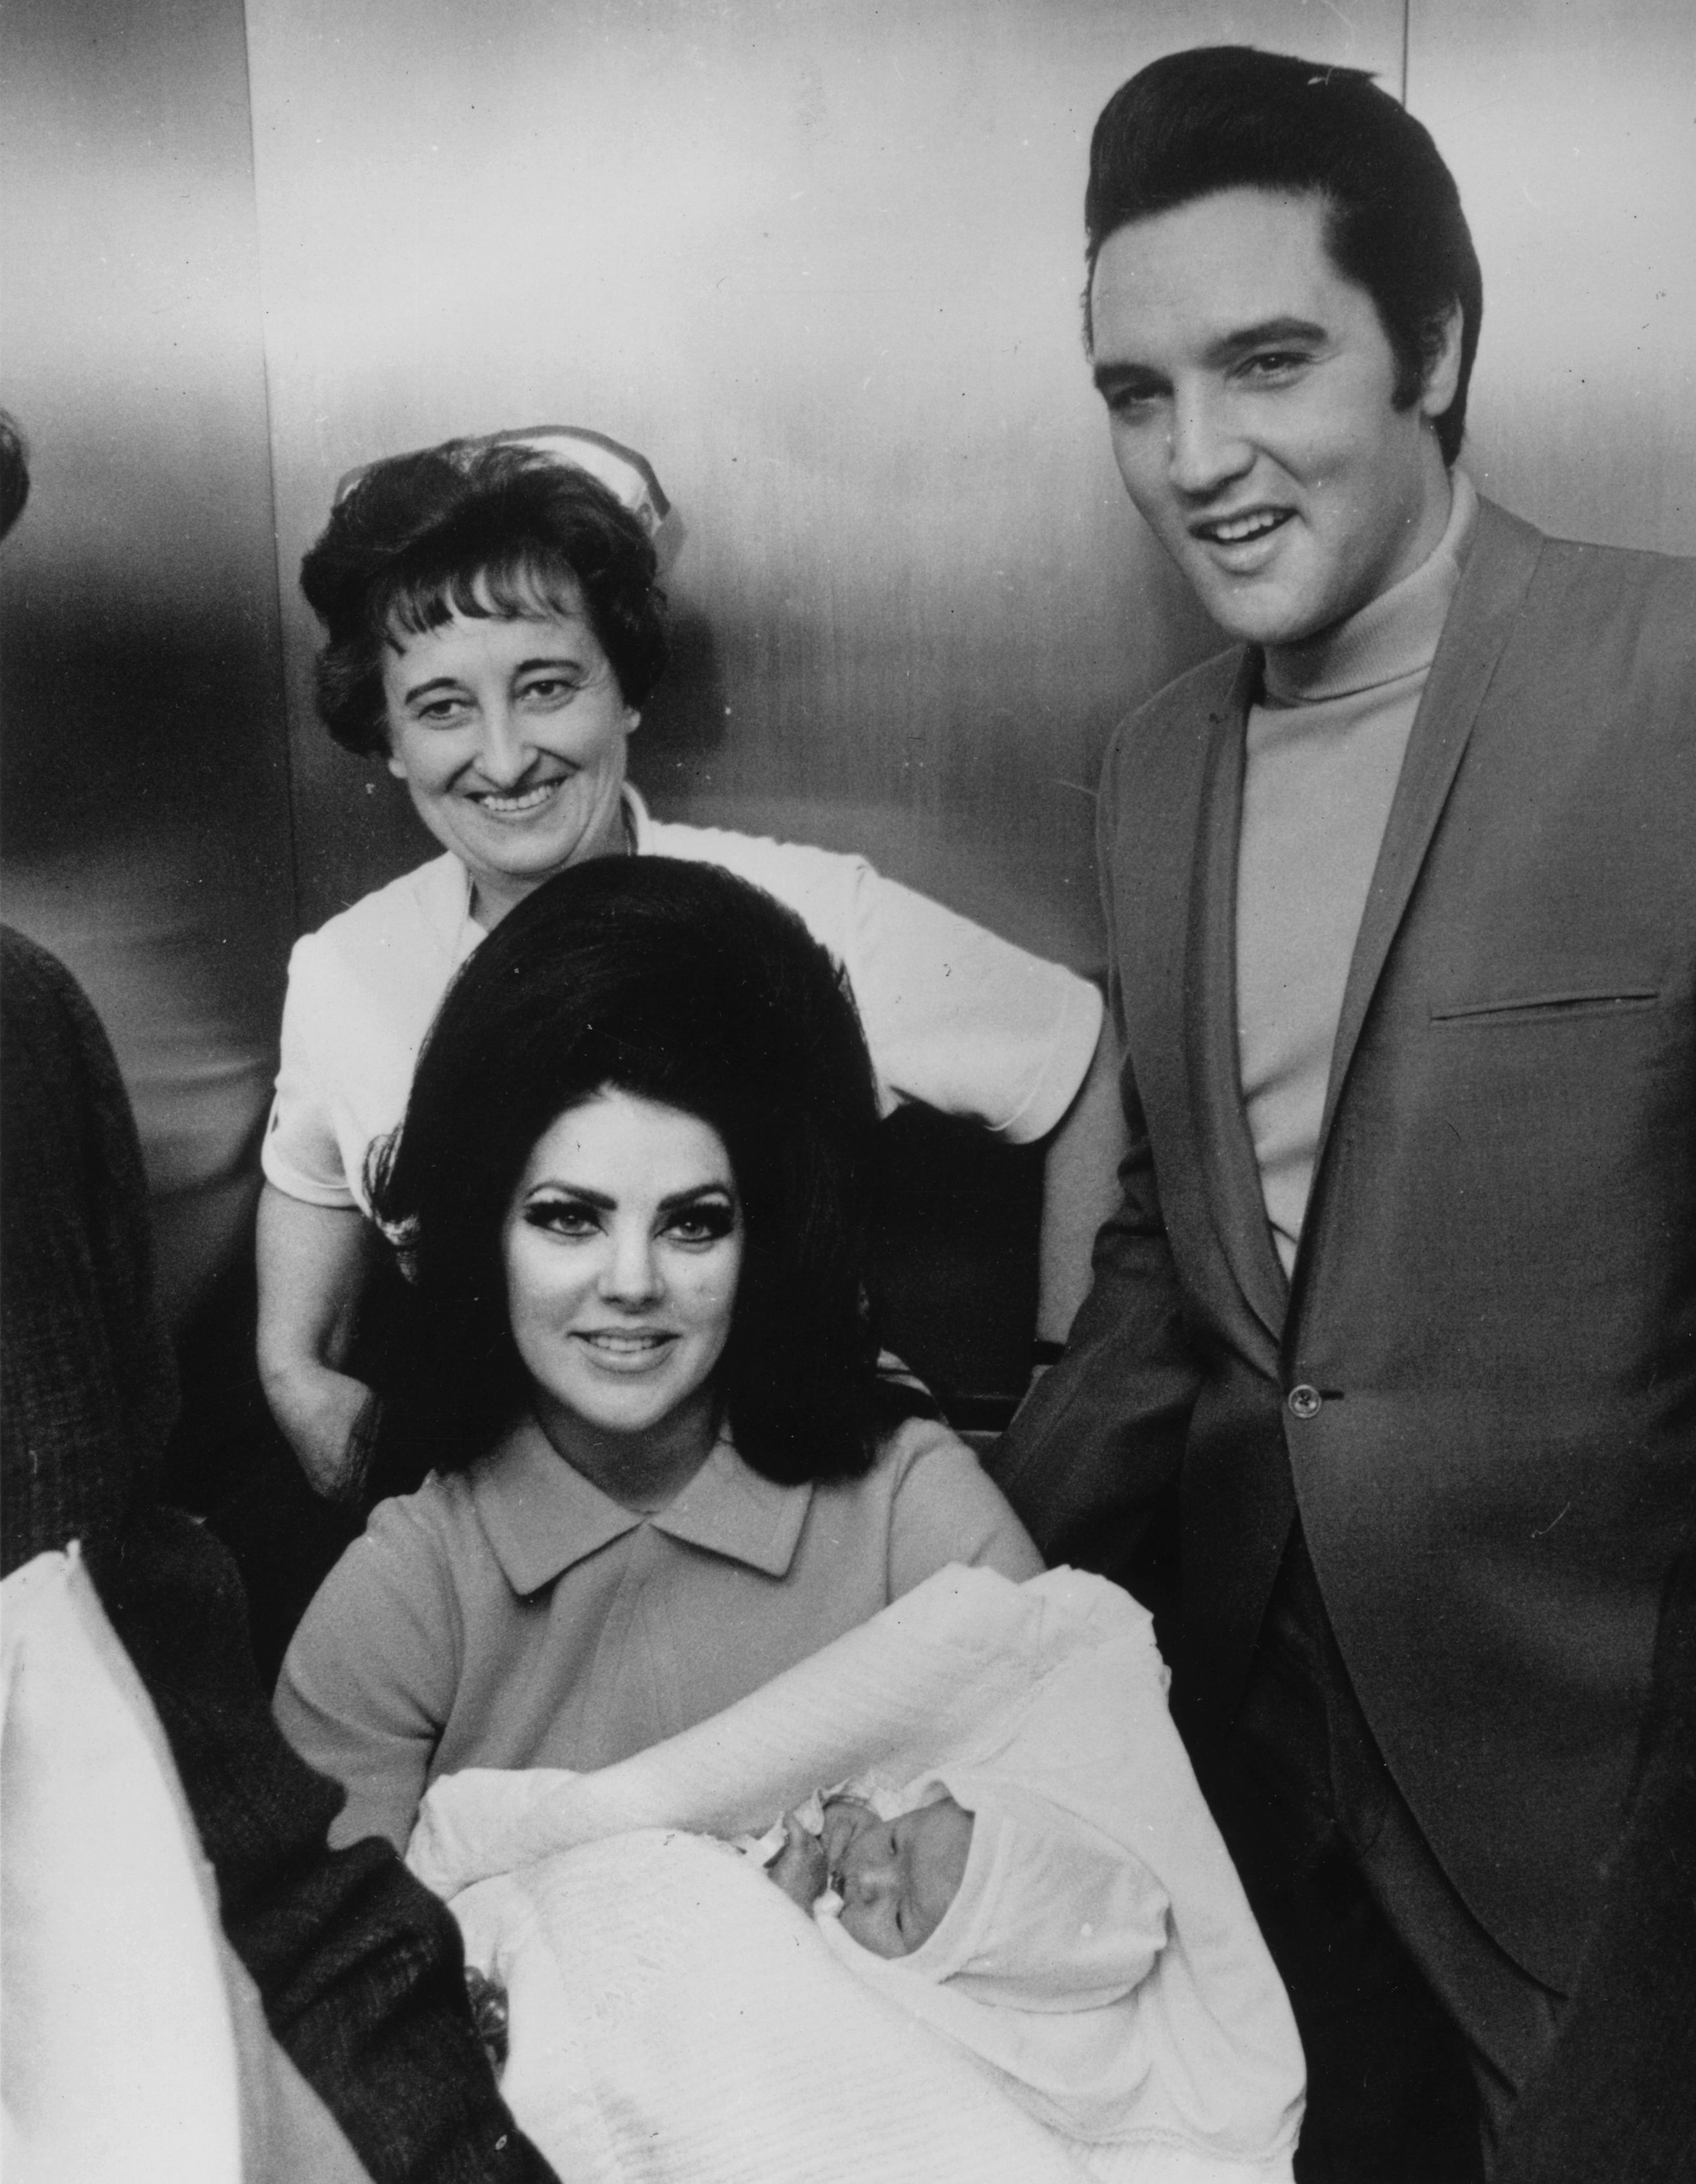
(706, 1219)
(695, 1218)
(563, 1213)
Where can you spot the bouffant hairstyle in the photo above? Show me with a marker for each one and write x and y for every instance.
(1228, 117)
(14, 471)
(686, 986)
(477, 529)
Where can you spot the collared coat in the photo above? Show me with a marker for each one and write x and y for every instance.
(1478, 1386)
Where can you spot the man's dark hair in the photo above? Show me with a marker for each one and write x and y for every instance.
(685, 986)
(1228, 117)
(468, 528)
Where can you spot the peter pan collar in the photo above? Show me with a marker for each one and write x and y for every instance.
(541, 1517)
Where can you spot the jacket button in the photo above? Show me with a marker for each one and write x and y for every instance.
(1304, 1402)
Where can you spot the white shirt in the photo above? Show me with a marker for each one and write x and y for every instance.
(955, 1018)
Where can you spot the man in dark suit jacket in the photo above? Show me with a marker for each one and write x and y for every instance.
(1397, 1321)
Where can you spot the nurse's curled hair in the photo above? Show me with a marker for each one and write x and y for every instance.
(680, 985)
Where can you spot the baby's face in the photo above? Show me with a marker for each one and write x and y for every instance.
(895, 1877)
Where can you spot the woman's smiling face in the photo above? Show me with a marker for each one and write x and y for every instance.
(622, 1249)
(509, 733)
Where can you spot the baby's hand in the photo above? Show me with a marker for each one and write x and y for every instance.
(844, 1818)
(801, 1868)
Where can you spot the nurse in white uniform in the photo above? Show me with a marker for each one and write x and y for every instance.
(494, 626)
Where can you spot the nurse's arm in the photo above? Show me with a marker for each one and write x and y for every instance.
(314, 1262)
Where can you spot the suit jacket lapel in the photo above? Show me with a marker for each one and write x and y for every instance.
(1492, 585)
(1227, 1151)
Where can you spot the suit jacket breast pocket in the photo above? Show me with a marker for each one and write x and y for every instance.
(1576, 1000)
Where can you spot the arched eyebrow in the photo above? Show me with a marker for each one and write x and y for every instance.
(605, 1204)
(696, 1191)
(410, 697)
(1269, 333)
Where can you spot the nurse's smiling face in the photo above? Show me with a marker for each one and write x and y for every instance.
(622, 1249)
(1249, 390)
(509, 733)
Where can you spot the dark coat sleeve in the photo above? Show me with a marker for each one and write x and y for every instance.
(359, 1966)
(88, 1383)
(1098, 1442)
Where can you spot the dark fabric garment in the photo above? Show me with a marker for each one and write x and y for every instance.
(1478, 1385)
(1616, 2101)
(359, 1968)
(1419, 2029)
(285, 1541)
(85, 1367)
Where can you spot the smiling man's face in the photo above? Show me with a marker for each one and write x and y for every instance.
(1249, 387)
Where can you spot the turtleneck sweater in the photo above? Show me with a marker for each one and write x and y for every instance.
(1325, 741)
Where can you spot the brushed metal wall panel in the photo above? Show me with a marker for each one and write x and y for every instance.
(145, 808)
(822, 262)
(1570, 128)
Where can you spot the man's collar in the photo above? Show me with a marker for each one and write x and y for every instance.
(542, 1516)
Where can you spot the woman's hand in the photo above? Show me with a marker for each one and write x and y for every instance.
(313, 1264)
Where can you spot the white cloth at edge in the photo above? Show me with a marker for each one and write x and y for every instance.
(955, 1018)
(135, 2044)
(1055, 1684)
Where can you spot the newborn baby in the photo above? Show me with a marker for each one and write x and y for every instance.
(1008, 1898)
(893, 1879)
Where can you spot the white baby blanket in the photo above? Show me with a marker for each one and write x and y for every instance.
(676, 2018)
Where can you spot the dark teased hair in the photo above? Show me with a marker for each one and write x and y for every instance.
(689, 987)
(472, 529)
(1228, 117)
(14, 471)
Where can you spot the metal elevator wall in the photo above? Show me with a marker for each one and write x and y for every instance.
(820, 259)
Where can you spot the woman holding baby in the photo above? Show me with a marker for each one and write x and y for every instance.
(637, 1360)
(637, 1366)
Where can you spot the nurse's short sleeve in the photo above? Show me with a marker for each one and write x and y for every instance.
(301, 1154)
(962, 1021)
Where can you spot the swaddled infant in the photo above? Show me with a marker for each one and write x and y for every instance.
(1011, 1899)
(892, 1880)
